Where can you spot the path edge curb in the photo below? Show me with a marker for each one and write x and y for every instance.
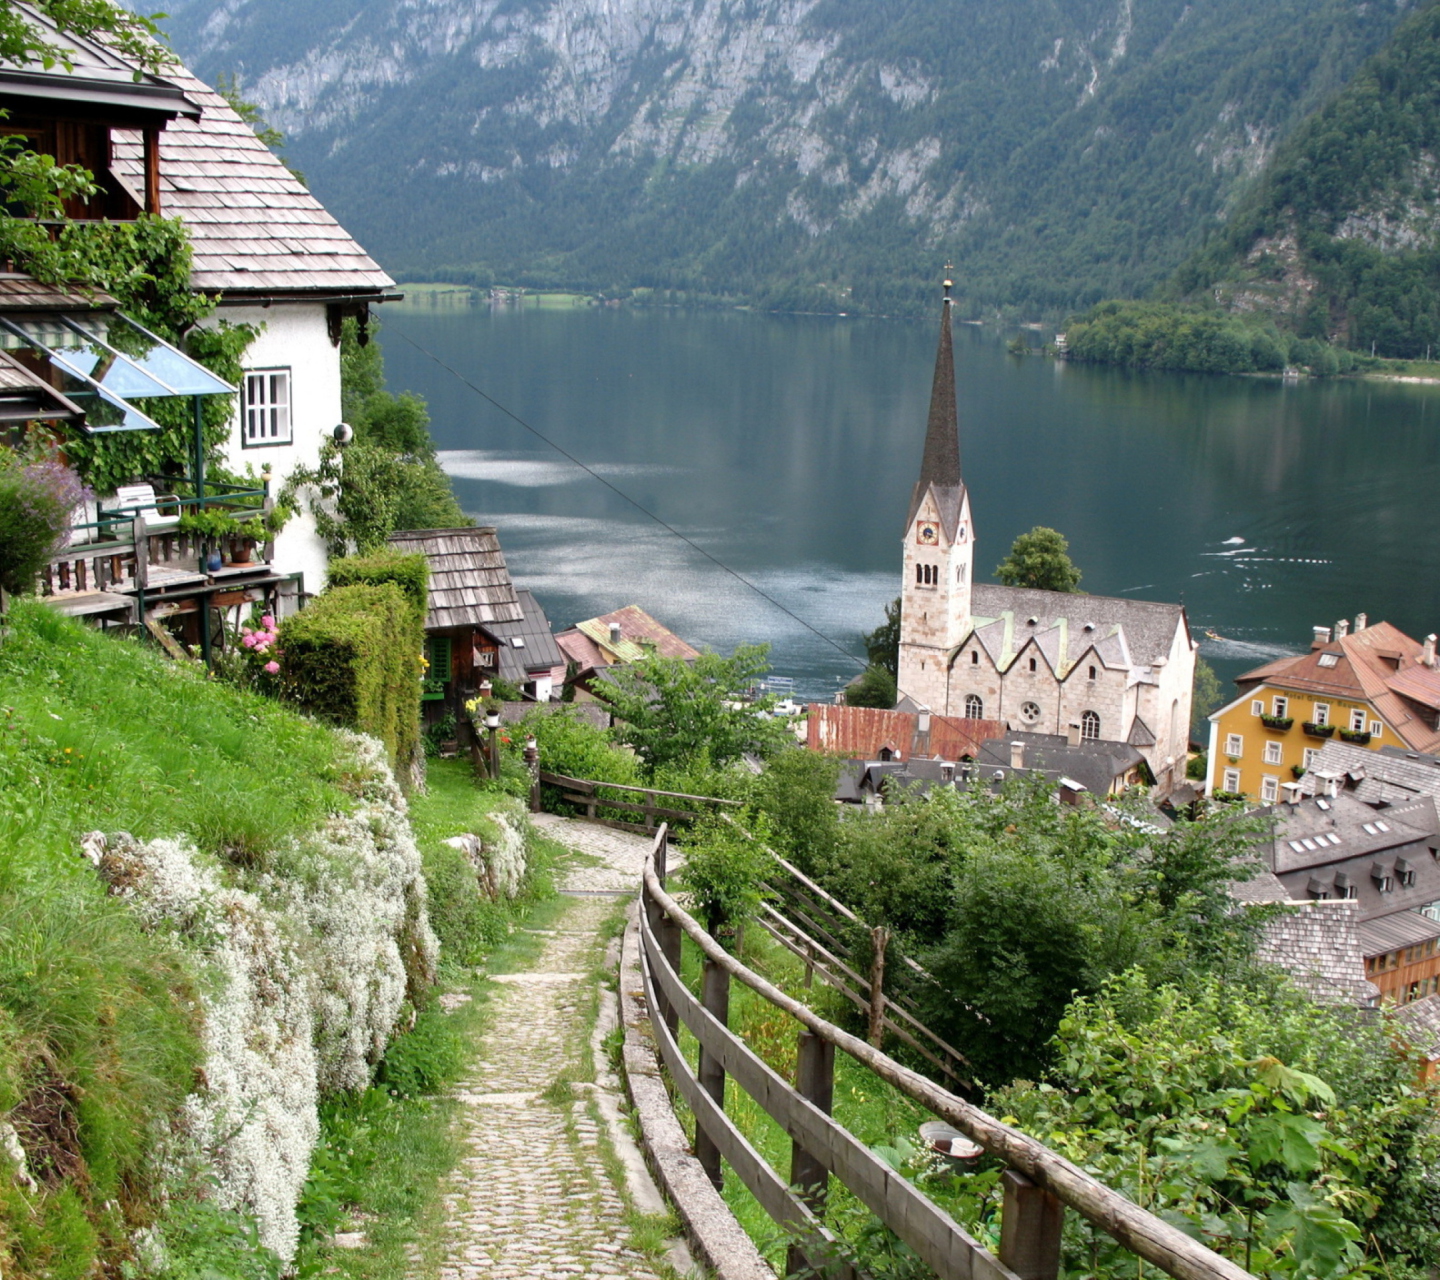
(711, 1228)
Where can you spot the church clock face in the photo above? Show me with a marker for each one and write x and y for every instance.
(928, 534)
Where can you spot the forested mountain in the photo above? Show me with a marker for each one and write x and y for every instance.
(823, 153)
(1341, 237)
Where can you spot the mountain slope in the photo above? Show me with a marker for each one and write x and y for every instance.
(1341, 238)
(798, 152)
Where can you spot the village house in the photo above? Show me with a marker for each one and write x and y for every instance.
(1372, 687)
(169, 144)
(626, 635)
(479, 627)
(1038, 661)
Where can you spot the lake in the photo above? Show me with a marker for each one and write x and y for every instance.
(786, 447)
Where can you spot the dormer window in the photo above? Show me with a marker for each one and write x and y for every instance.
(1329, 659)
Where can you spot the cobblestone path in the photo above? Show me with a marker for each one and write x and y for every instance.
(532, 1199)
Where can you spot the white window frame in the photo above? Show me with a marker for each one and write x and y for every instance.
(1376, 728)
(1274, 753)
(1257, 707)
(1230, 780)
(1269, 789)
(1321, 713)
(1357, 720)
(1312, 754)
(1234, 745)
(1281, 706)
(269, 421)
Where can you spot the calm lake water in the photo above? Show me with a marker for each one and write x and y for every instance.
(786, 447)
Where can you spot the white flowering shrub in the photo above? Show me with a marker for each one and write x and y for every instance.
(308, 970)
(503, 846)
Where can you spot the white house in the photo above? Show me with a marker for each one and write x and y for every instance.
(1041, 661)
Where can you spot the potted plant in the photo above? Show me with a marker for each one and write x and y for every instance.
(1318, 730)
(1358, 736)
(211, 527)
(1279, 723)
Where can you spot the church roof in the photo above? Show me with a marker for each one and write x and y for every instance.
(1066, 625)
(940, 466)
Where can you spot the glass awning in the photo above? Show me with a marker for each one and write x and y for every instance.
(103, 360)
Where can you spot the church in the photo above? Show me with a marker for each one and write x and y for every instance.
(1087, 667)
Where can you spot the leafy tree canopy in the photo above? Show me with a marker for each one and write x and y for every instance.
(134, 35)
(676, 712)
(1039, 559)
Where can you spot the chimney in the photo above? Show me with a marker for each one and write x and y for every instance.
(1342, 628)
(614, 633)
(1017, 755)
(922, 720)
(1428, 657)
(1322, 637)
(1361, 621)
(1072, 735)
(947, 771)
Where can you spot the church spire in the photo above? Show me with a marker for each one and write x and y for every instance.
(940, 466)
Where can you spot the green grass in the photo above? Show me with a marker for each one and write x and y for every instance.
(98, 1021)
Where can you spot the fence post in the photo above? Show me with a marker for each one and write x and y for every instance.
(809, 964)
(650, 812)
(590, 805)
(532, 763)
(715, 996)
(880, 937)
(815, 1082)
(1030, 1224)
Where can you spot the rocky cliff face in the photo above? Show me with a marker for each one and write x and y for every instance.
(733, 145)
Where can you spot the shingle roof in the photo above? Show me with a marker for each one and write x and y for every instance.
(1319, 945)
(862, 731)
(253, 227)
(1095, 765)
(24, 293)
(537, 649)
(640, 635)
(1420, 1021)
(1388, 776)
(1122, 632)
(469, 583)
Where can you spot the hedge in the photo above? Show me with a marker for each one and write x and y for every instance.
(352, 657)
(411, 573)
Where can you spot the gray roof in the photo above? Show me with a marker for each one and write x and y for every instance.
(1349, 839)
(1420, 1021)
(469, 583)
(1398, 929)
(537, 649)
(1386, 777)
(1096, 765)
(1318, 944)
(254, 229)
(940, 464)
(1123, 633)
(1262, 888)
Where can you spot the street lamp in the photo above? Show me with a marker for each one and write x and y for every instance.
(492, 723)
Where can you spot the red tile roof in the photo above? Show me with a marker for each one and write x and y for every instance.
(862, 731)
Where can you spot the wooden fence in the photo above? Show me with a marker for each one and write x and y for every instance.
(1038, 1185)
(585, 793)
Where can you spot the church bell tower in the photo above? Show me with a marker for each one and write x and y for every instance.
(939, 546)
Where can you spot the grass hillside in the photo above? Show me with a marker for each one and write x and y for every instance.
(103, 1005)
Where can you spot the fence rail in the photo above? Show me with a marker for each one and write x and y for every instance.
(585, 793)
(1037, 1185)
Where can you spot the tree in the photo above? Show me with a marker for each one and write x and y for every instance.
(1039, 559)
(873, 687)
(882, 646)
(1206, 695)
(228, 87)
(677, 714)
(133, 35)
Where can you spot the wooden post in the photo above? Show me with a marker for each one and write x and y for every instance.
(809, 964)
(880, 937)
(1030, 1224)
(715, 996)
(590, 805)
(815, 1082)
(667, 931)
(650, 812)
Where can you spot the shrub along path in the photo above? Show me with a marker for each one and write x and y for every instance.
(536, 1194)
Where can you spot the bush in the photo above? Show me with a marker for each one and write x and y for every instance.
(425, 1059)
(35, 506)
(352, 658)
(411, 573)
(467, 923)
(873, 687)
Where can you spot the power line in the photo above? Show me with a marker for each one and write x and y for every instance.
(640, 507)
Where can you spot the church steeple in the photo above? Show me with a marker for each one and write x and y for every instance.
(940, 466)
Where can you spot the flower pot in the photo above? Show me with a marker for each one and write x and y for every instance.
(1319, 730)
(242, 550)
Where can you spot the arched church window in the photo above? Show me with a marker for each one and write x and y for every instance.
(1092, 673)
(1030, 712)
(960, 573)
(1090, 726)
(919, 575)
(974, 657)
(974, 707)
(1032, 664)
(932, 574)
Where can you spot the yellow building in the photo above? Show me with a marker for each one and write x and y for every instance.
(1373, 687)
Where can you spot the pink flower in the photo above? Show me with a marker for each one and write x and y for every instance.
(249, 640)
(272, 668)
(268, 622)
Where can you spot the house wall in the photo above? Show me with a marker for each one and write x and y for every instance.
(1409, 973)
(1241, 718)
(293, 336)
